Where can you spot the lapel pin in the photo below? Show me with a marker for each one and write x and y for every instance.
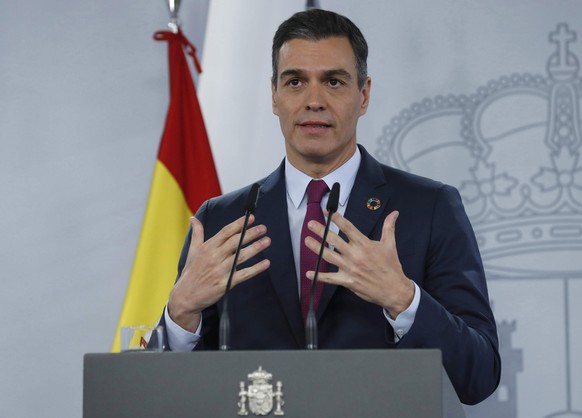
(373, 203)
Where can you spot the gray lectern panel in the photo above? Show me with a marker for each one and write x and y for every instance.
(342, 383)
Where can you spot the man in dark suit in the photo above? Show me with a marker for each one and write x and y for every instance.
(418, 285)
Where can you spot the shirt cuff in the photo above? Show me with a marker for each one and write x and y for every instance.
(178, 338)
(405, 319)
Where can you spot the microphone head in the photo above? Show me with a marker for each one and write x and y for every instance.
(251, 202)
(333, 201)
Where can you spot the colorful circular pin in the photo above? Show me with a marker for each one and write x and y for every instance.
(373, 203)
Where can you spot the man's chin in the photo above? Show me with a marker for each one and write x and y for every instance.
(317, 156)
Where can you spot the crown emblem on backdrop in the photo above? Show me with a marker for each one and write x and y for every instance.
(515, 144)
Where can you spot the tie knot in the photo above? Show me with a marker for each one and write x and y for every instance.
(315, 191)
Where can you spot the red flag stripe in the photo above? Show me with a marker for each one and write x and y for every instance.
(184, 149)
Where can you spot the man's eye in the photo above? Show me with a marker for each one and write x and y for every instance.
(334, 83)
(294, 82)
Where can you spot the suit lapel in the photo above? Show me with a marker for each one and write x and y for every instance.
(370, 183)
(272, 212)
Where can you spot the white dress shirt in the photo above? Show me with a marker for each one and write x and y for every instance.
(296, 183)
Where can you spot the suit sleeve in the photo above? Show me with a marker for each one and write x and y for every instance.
(454, 314)
(209, 315)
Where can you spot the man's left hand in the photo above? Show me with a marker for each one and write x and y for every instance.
(370, 269)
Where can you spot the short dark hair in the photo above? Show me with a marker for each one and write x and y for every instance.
(315, 25)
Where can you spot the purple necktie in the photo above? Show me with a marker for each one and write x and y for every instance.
(316, 189)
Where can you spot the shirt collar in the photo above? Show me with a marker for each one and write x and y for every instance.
(297, 181)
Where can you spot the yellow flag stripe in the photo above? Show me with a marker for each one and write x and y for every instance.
(165, 226)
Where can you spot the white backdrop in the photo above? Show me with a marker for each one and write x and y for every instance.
(456, 86)
(83, 98)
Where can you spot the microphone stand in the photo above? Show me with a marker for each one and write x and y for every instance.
(311, 322)
(224, 326)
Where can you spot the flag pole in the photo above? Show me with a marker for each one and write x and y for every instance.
(174, 9)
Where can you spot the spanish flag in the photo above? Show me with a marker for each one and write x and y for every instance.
(184, 177)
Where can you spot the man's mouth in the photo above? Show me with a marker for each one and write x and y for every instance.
(315, 124)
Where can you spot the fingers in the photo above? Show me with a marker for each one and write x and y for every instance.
(248, 252)
(253, 233)
(250, 272)
(369, 268)
(329, 255)
(219, 239)
(348, 228)
(333, 239)
(232, 229)
(255, 248)
(208, 263)
(218, 250)
(330, 278)
(224, 243)
(351, 232)
(227, 240)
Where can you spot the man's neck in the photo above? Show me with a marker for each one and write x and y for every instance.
(319, 169)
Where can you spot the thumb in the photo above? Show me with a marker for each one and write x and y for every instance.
(197, 232)
(389, 226)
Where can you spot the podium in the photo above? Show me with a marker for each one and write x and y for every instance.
(300, 384)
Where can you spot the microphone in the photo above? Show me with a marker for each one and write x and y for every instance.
(224, 326)
(310, 322)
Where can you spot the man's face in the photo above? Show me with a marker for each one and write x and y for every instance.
(318, 102)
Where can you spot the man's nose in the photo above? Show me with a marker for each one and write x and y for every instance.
(315, 98)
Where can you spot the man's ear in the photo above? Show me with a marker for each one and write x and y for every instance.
(274, 98)
(365, 91)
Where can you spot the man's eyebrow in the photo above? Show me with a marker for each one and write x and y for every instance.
(336, 72)
(291, 72)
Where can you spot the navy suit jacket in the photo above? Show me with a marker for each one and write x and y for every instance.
(436, 247)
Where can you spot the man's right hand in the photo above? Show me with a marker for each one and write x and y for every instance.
(203, 279)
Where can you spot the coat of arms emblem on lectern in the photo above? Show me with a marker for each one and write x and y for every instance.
(260, 395)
